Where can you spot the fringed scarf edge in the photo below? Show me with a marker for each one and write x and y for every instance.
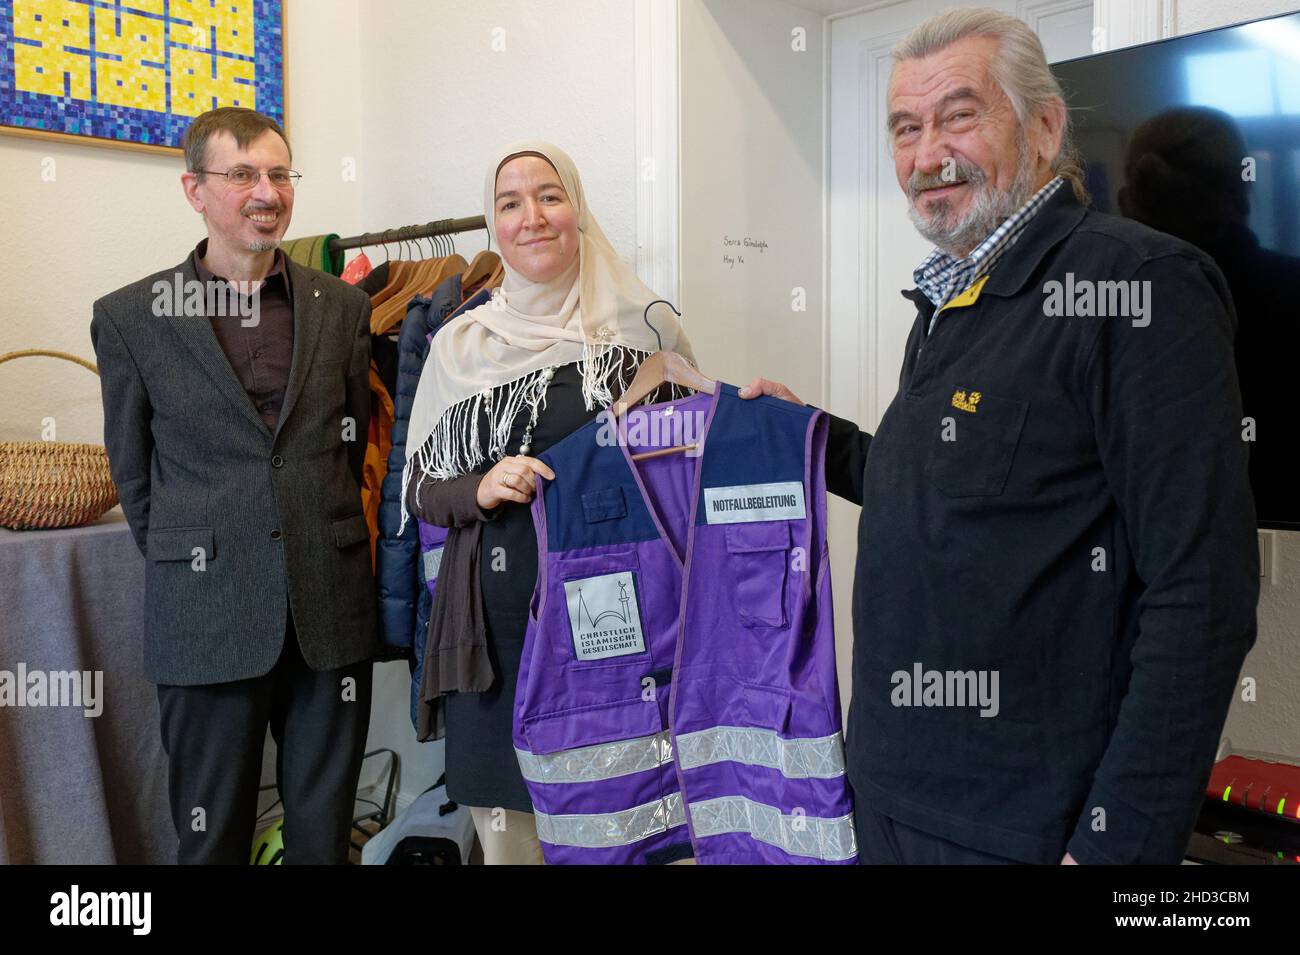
(454, 448)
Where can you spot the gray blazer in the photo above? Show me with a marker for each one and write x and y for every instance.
(274, 517)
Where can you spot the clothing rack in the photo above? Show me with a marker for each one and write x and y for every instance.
(410, 232)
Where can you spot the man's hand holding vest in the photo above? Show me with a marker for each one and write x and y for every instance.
(761, 386)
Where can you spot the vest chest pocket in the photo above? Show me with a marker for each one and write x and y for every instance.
(758, 559)
(977, 460)
(606, 504)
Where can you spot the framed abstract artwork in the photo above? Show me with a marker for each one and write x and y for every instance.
(133, 73)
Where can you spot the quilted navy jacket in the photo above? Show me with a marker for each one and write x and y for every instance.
(404, 601)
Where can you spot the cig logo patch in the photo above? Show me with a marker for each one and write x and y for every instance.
(604, 617)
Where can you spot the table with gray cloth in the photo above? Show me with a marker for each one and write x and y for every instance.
(75, 789)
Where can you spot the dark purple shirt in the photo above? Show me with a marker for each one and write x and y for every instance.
(259, 354)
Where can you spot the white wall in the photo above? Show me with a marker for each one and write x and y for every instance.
(1272, 722)
(449, 83)
(752, 168)
(1192, 16)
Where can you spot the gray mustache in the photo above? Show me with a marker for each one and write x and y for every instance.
(962, 171)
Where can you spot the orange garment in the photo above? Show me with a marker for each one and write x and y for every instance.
(379, 441)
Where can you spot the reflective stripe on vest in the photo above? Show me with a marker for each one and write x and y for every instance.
(603, 761)
(831, 840)
(432, 540)
(612, 829)
(820, 758)
(432, 561)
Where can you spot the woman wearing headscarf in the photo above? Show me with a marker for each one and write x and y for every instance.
(557, 344)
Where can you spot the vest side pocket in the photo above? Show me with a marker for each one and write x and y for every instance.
(581, 726)
(766, 707)
(758, 557)
(592, 565)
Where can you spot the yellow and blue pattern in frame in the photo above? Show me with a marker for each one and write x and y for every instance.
(58, 27)
(228, 26)
(129, 52)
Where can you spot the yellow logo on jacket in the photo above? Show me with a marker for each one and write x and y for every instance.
(966, 402)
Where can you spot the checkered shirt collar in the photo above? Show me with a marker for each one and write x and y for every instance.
(941, 276)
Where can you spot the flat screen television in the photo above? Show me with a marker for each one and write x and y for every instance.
(1199, 136)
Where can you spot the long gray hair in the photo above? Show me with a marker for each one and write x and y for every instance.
(1020, 68)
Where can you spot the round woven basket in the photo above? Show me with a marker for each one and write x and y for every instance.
(48, 484)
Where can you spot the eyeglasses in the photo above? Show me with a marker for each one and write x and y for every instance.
(245, 177)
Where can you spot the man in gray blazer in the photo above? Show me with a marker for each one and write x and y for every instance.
(236, 406)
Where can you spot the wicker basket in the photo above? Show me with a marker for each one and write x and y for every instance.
(47, 484)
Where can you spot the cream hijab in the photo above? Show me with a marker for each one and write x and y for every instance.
(493, 358)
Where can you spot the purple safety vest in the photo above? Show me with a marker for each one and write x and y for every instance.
(677, 694)
(432, 540)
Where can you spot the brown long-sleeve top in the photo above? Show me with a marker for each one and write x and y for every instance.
(455, 655)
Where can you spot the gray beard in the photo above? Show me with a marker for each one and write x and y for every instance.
(957, 235)
(263, 246)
